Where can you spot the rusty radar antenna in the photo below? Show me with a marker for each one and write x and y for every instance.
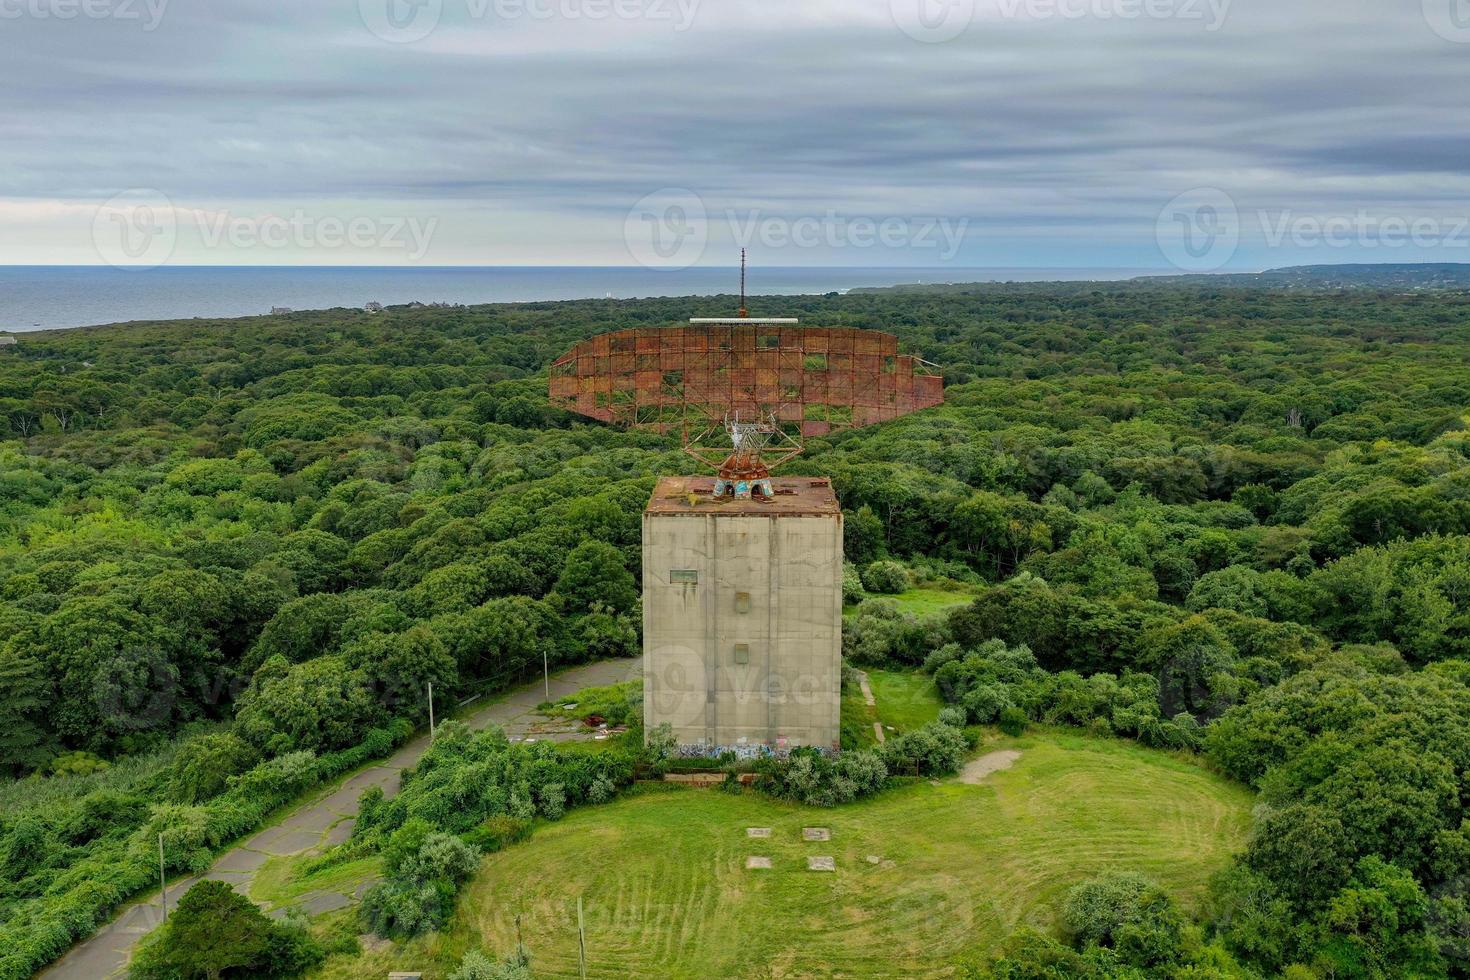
(759, 385)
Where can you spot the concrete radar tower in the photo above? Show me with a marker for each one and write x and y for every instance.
(742, 572)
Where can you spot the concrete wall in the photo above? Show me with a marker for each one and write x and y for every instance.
(788, 691)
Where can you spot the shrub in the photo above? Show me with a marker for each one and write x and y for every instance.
(1013, 721)
(811, 778)
(937, 749)
(1127, 913)
(215, 929)
(477, 966)
(885, 577)
(399, 909)
(881, 632)
(425, 868)
(204, 765)
(502, 830)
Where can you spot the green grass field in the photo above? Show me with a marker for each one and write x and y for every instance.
(906, 700)
(666, 893)
(923, 600)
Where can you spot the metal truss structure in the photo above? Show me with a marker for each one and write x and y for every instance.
(809, 380)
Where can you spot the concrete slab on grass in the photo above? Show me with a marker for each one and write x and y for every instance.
(316, 903)
(758, 832)
(821, 864)
(240, 859)
(815, 833)
(339, 832)
(290, 842)
(753, 863)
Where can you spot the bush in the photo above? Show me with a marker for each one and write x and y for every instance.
(401, 909)
(477, 966)
(885, 577)
(937, 749)
(214, 931)
(425, 869)
(1129, 914)
(1013, 721)
(811, 778)
(204, 765)
(502, 830)
(881, 633)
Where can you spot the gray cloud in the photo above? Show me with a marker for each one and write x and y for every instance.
(1059, 139)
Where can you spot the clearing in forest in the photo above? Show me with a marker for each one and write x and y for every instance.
(662, 873)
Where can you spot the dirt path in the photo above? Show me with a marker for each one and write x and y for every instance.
(324, 820)
(976, 770)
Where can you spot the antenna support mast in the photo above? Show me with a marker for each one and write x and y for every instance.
(743, 312)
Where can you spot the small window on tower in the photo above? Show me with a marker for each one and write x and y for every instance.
(742, 653)
(742, 602)
(684, 576)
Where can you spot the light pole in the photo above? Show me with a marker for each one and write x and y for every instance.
(162, 879)
(546, 673)
(431, 711)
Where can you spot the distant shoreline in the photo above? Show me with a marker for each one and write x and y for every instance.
(34, 298)
(60, 297)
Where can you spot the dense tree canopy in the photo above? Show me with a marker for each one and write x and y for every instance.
(233, 553)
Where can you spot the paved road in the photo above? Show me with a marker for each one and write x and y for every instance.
(327, 819)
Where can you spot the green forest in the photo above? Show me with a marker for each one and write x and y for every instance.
(1228, 523)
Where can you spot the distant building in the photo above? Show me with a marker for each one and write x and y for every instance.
(374, 307)
(7, 341)
(279, 310)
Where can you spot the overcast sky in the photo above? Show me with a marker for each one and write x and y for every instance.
(1057, 133)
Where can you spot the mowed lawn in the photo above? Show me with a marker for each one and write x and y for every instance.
(906, 699)
(666, 893)
(922, 601)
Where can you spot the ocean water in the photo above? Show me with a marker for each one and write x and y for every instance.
(51, 297)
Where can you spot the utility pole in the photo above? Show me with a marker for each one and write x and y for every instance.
(581, 939)
(546, 672)
(162, 879)
(431, 711)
